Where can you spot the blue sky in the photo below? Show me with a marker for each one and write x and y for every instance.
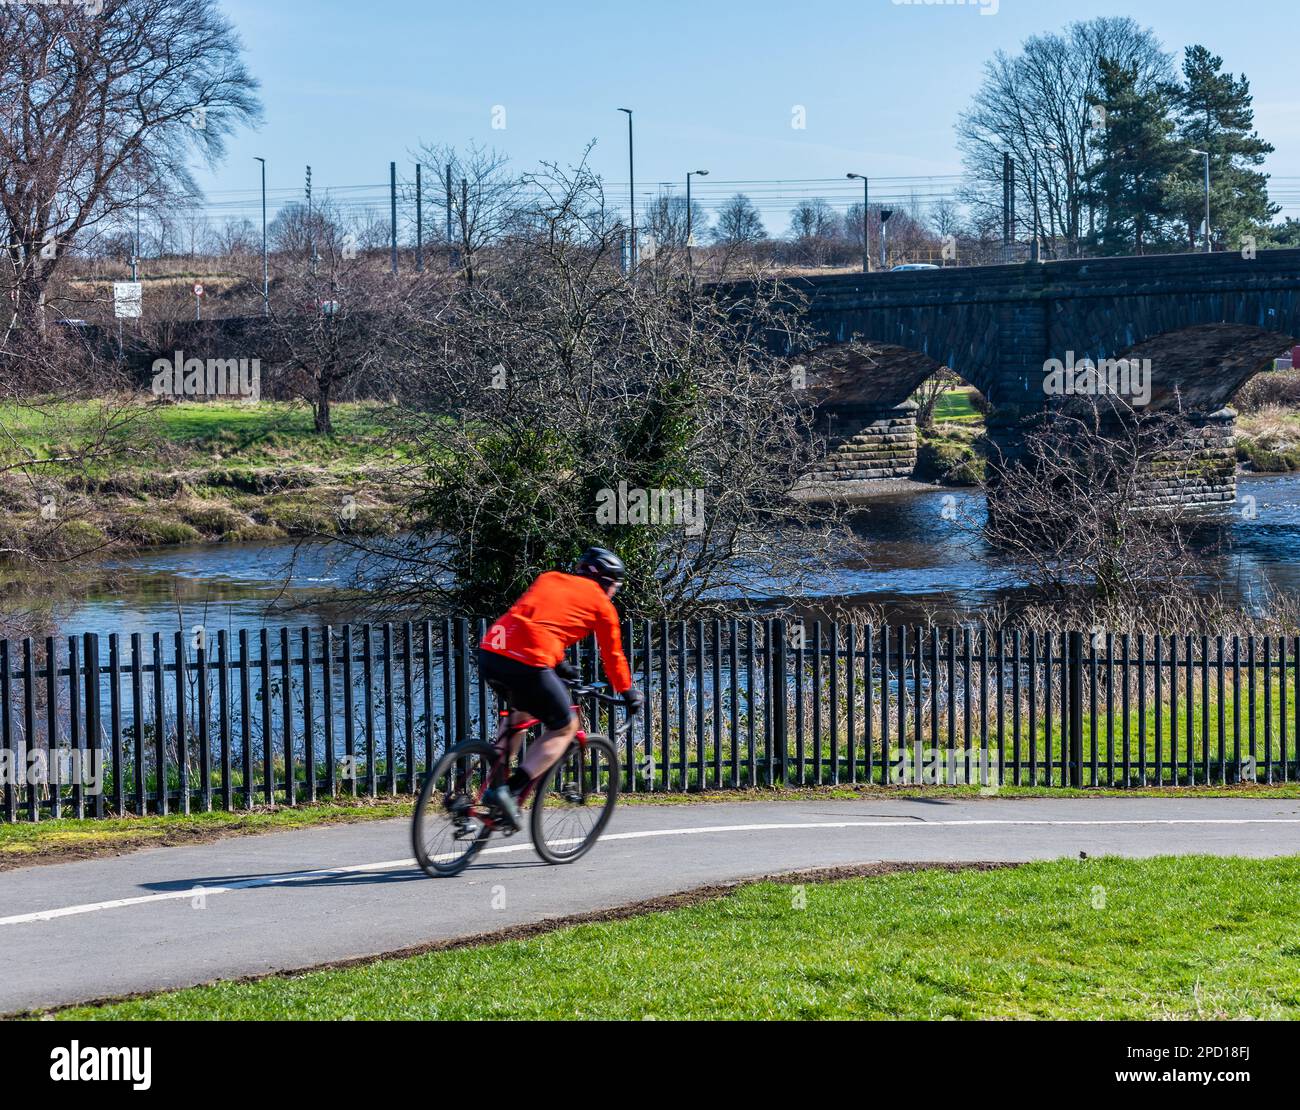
(348, 87)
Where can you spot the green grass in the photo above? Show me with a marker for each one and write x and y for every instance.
(243, 435)
(955, 406)
(1189, 937)
(142, 474)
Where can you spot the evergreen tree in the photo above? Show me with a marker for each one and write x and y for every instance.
(1216, 114)
(1136, 157)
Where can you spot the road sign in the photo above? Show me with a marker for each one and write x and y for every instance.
(128, 300)
(198, 290)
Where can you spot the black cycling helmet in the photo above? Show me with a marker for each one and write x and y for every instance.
(601, 564)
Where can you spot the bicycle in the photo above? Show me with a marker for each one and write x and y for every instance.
(453, 819)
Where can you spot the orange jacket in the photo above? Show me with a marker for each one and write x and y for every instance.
(556, 611)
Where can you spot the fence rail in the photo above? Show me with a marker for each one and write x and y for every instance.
(94, 727)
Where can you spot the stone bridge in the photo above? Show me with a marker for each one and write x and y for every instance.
(1206, 322)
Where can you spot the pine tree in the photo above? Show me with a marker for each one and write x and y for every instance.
(1135, 159)
(1216, 114)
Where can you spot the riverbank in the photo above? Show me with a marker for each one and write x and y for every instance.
(1267, 440)
(83, 477)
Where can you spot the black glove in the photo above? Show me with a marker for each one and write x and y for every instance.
(633, 700)
(566, 670)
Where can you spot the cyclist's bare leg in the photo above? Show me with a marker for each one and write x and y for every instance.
(552, 744)
(511, 724)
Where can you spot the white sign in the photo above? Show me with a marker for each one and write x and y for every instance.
(128, 300)
(198, 290)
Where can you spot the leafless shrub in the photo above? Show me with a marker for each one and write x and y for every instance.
(1276, 387)
(1094, 505)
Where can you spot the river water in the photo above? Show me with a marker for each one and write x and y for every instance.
(919, 560)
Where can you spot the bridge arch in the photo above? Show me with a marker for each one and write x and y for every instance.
(1203, 366)
(862, 398)
(912, 337)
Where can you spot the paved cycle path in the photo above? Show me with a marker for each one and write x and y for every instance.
(172, 917)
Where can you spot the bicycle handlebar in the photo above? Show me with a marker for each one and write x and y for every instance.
(596, 691)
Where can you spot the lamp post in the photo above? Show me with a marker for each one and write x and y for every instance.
(866, 208)
(1037, 252)
(631, 193)
(693, 173)
(266, 268)
(1209, 246)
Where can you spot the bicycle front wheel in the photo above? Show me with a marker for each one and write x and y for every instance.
(575, 801)
(449, 827)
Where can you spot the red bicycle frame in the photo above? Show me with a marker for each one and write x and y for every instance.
(502, 745)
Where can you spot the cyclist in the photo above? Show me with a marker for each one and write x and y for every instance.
(522, 658)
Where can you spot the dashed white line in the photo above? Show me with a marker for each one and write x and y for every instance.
(525, 846)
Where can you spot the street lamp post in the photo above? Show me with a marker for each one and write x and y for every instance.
(1209, 245)
(266, 268)
(1037, 252)
(866, 223)
(693, 173)
(631, 193)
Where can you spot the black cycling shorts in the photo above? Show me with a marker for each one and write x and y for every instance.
(535, 690)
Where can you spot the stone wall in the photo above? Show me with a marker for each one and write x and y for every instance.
(882, 448)
(1204, 476)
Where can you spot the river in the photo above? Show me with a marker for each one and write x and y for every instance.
(919, 560)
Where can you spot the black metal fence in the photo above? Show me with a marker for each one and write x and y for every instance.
(95, 727)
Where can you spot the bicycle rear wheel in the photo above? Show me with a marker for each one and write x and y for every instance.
(449, 827)
(575, 801)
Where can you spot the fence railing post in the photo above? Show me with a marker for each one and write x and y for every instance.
(6, 736)
(461, 665)
(1074, 667)
(778, 666)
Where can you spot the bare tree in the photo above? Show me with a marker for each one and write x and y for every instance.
(945, 219)
(665, 219)
(556, 402)
(97, 109)
(481, 195)
(332, 326)
(238, 237)
(1041, 107)
(928, 394)
(739, 222)
(815, 226)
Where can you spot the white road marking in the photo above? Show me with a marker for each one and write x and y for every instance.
(526, 846)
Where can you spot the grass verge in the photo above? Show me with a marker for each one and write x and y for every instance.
(1171, 937)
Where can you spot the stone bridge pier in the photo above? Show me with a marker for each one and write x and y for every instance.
(867, 443)
(1197, 472)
